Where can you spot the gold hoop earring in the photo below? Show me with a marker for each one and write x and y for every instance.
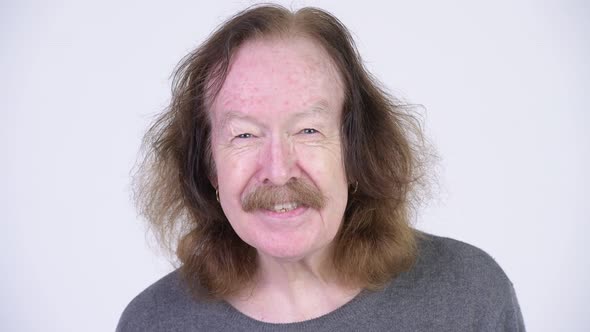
(217, 194)
(356, 187)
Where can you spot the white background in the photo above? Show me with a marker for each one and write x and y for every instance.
(505, 86)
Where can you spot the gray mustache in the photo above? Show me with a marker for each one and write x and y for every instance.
(296, 191)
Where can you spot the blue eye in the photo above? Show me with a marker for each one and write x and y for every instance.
(309, 131)
(245, 135)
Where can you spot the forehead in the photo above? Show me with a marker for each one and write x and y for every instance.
(280, 75)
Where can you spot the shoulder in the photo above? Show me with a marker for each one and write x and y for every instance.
(453, 261)
(463, 282)
(168, 305)
(141, 313)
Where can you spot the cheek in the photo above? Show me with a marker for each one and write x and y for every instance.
(234, 171)
(326, 169)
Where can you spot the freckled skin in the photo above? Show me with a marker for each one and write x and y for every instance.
(275, 92)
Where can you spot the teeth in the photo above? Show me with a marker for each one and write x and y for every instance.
(285, 207)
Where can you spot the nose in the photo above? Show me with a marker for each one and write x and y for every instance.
(278, 161)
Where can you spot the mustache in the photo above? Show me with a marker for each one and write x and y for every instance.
(294, 191)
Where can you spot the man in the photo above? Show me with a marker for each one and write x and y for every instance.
(285, 177)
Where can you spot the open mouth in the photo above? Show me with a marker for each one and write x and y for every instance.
(284, 207)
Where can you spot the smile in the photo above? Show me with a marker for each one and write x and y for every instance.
(284, 207)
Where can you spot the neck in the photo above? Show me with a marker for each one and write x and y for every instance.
(292, 291)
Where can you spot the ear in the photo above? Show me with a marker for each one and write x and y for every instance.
(213, 182)
(212, 171)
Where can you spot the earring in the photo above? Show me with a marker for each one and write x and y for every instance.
(356, 187)
(217, 194)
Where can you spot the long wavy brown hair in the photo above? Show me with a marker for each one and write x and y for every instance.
(383, 149)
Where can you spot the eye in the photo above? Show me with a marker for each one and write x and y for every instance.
(309, 131)
(245, 135)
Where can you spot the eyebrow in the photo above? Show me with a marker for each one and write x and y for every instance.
(318, 109)
(235, 115)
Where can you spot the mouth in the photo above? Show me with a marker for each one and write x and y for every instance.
(284, 211)
(284, 207)
(283, 200)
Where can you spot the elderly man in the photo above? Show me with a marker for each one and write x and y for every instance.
(284, 177)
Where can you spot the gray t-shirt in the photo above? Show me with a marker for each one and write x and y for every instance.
(452, 287)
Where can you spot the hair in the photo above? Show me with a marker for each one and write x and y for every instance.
(383, 151)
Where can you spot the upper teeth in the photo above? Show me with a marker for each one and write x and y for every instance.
(284, 207)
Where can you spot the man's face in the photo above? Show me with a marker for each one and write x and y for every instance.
(275, 122)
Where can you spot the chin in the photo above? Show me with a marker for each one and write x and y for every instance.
(294, 239)
(284, 254)
(289, 250)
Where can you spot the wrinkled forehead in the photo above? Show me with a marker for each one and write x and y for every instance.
(278, 72)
